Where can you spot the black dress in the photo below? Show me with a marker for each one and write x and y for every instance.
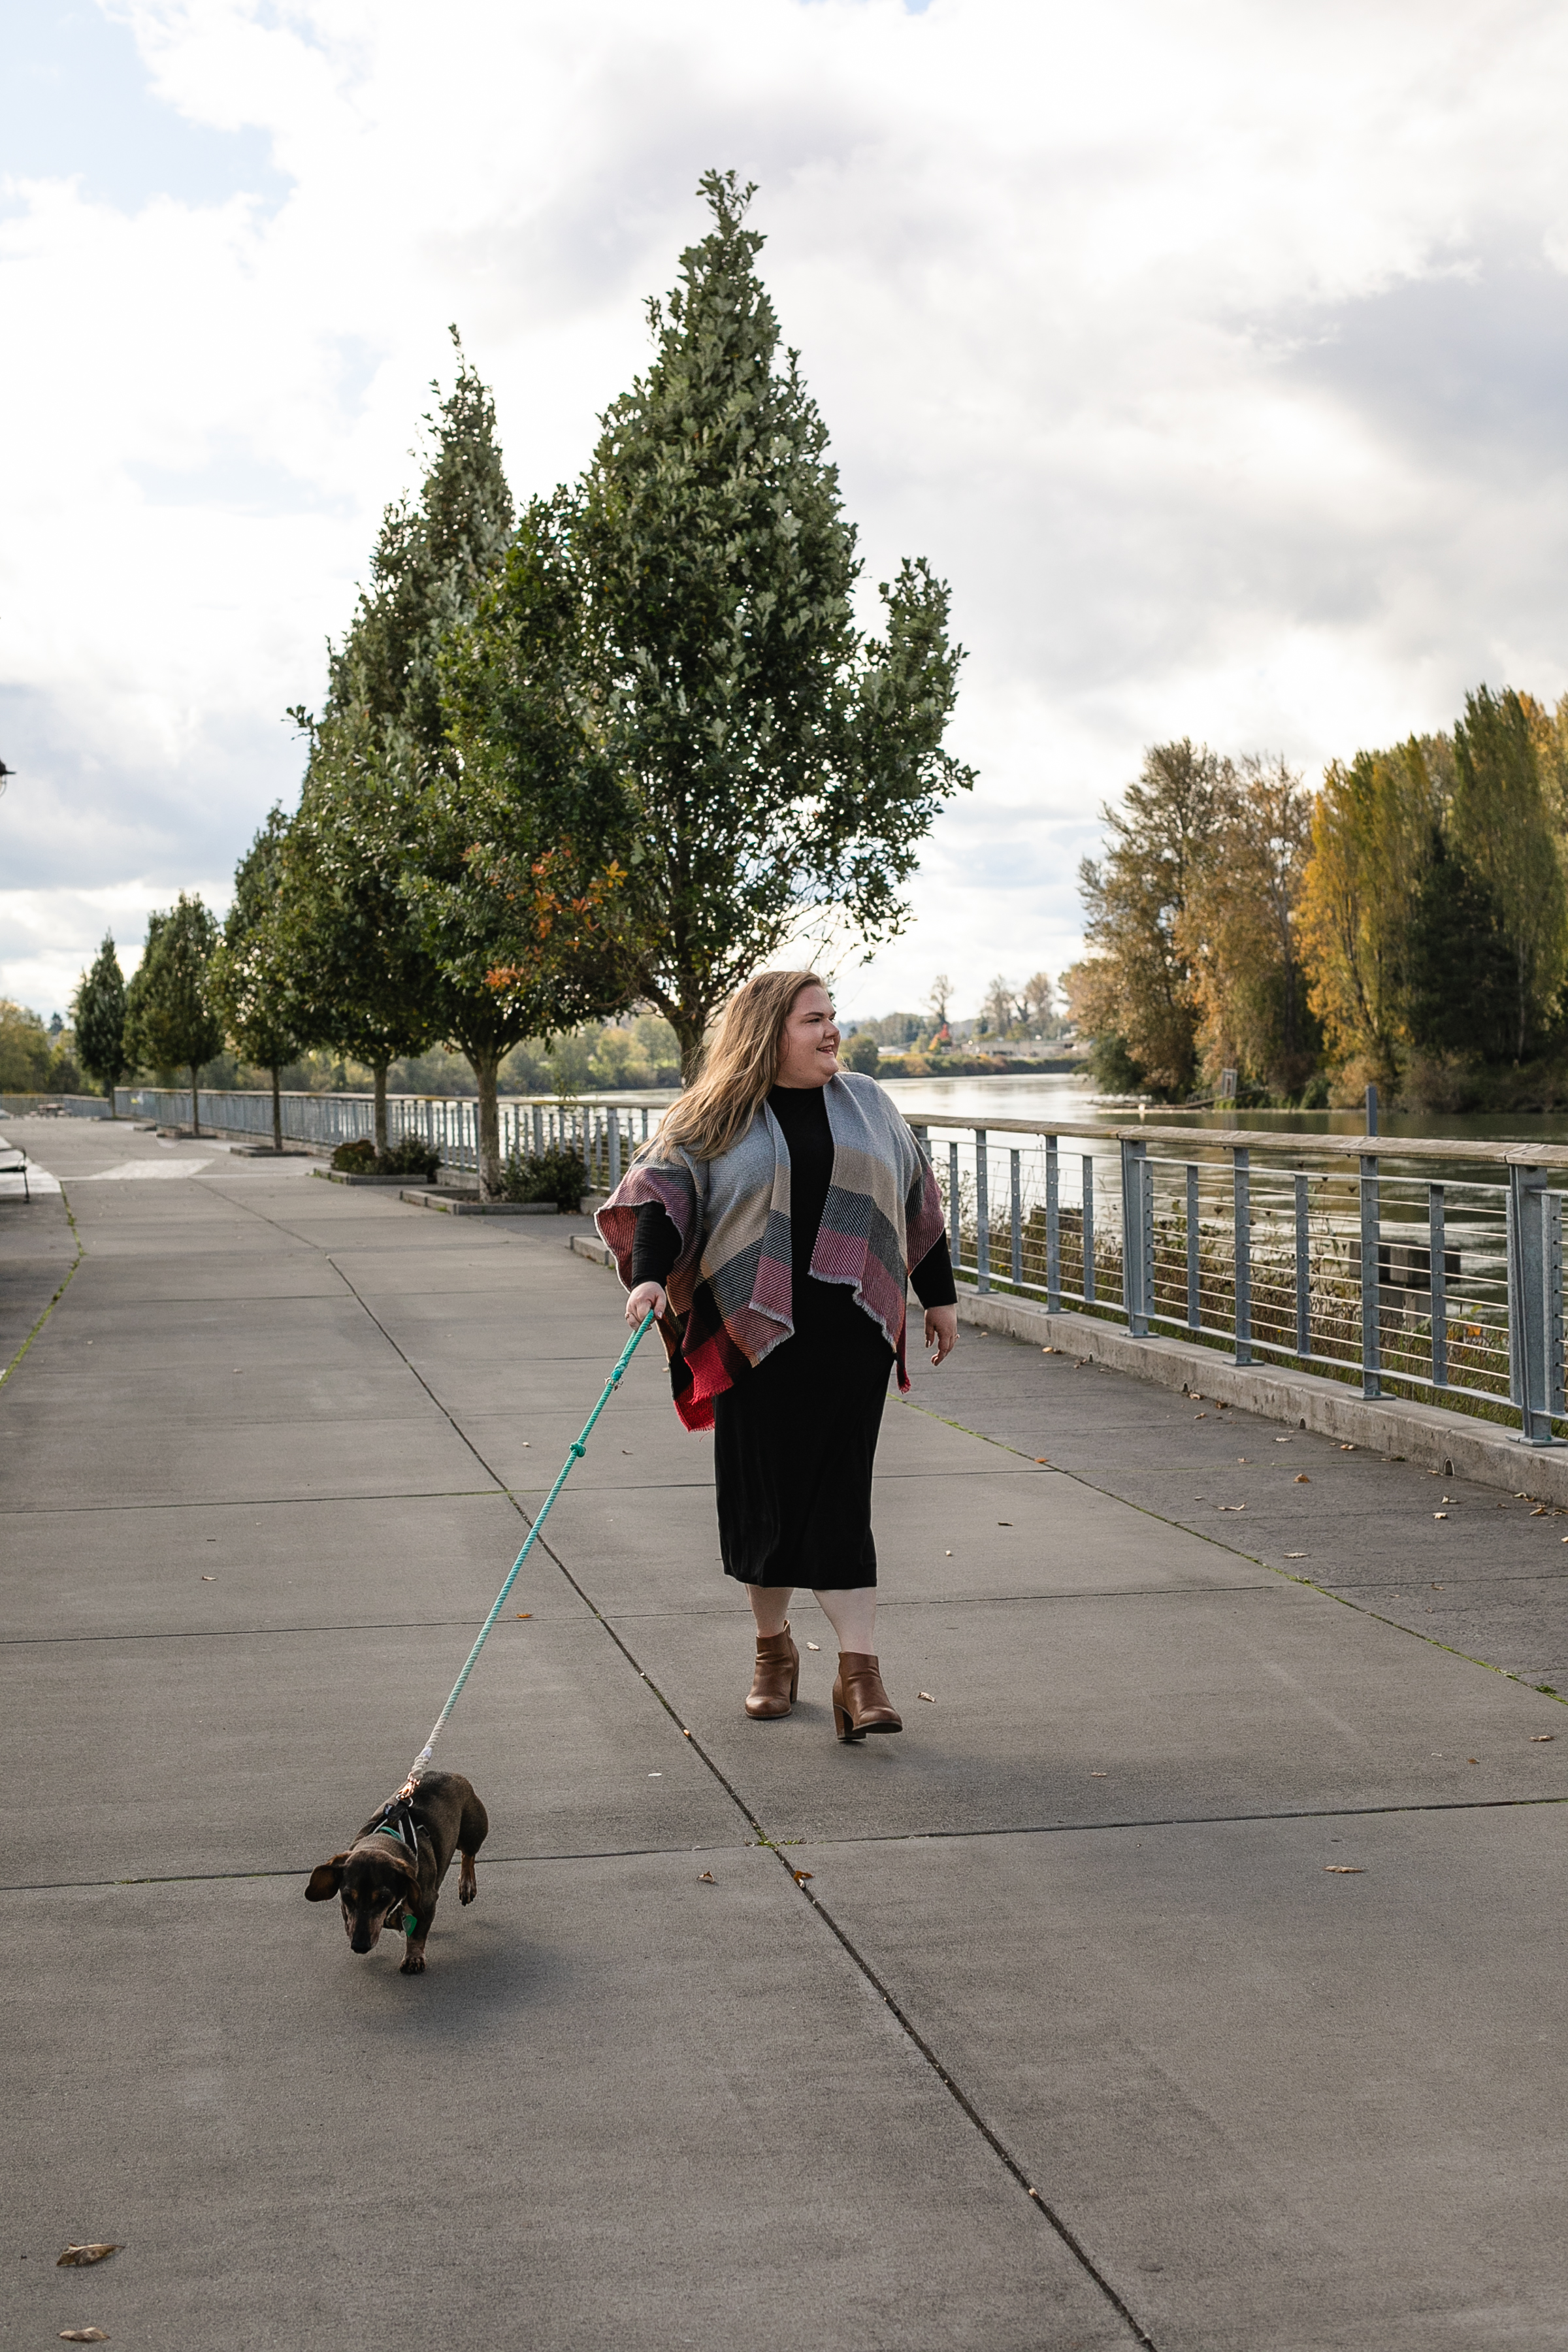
(795, 1437)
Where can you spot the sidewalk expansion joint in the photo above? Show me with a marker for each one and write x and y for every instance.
(64, 1285)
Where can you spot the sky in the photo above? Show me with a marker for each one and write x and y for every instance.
(1215, 351)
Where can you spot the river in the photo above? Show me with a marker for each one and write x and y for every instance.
(1065, 1096)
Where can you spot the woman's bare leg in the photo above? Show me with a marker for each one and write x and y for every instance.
(852, 1615)
(770, 1605)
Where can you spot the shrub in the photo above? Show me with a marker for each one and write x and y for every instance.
(356, 1158)
(410, 1156)
(558, 1176)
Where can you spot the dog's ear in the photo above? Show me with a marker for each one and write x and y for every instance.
(326, 1879)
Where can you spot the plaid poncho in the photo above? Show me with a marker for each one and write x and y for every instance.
(730, 1288)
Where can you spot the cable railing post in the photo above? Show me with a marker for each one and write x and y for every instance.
(1018, 1218)
(1371, 1321)
(1534, 1303)
(1053, 1228)
(1088, 1230)
(1438, 1258)
(1241, 1179)
(1303, 1273)
(982, 1212)
(954, 1228)
(1194, 1268)
(615, 1148)
(1137, 1236)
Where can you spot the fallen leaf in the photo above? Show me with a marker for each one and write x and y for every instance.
(1197, 1396)
(77, 2257)
(1346, 1869)
(1045, 1351)
(1439, 1515)
(525, 1612)
(1242, 1459)
(1540, 1512)
(1231, 1506)
(1099, 1775)
(209, 1580)
(1004, 1523)
(1539, 1736)
(801, 1876)
(1301, 1479)
(1041, 1463)
(1472, 1759)
(1347, 1449)
(1200, 1416)
(685, 1734)
(947, 1555)
(1295, 1555)
(83, 2335)
(706, 1878)
(813, 1646)
(926, 1697)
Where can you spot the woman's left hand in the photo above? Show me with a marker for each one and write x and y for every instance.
(941, 1331)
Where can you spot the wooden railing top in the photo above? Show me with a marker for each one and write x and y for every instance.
(1252, 1138)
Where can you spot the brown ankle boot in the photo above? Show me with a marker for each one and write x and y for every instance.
(776, 1678)
(859, 1703)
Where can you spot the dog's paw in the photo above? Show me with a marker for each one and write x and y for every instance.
(467, 1890)
(413, 1966)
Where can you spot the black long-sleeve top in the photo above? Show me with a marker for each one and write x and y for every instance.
(802, 1114)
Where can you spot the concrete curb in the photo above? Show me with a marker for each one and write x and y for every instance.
(1448, 1442)
(448, 1206)
(338, 1176)
(590, 1246)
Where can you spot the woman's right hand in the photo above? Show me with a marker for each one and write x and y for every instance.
(646, 1294)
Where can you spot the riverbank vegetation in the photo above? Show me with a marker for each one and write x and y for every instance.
(1405, 925)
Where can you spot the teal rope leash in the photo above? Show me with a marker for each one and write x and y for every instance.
(579, 1446)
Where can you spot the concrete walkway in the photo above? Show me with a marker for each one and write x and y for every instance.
(1187, 1974)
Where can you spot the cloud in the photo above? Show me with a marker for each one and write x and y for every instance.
(1212, 351)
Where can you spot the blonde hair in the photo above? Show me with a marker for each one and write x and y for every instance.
(741, 1065)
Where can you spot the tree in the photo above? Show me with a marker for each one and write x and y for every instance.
(1137, 988)
(508, 868)
(249, 978)
(862, 1053)
(1000, 1007)
(363, 978)
(1501, 824)
(938, 996)
(170, 1024)
(98, 1010)
(1239, 930)
(1460, 975)
(1371, 832)
(24, 1050)
(780, 764)
(1039, 1002)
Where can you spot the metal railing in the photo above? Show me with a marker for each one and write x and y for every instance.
(604, 1133)
(1431, 1270)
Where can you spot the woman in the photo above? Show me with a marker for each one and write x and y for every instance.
(781, 1211)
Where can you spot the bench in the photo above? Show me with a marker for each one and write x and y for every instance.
(13, 1162)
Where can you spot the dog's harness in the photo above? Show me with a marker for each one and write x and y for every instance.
(397, 1821)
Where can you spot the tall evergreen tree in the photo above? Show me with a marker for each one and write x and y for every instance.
(1501, 825)
(98, 1010)
(248, 981)
(510, 866)
(781, 763)
(365, 980)
(170, 1023)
